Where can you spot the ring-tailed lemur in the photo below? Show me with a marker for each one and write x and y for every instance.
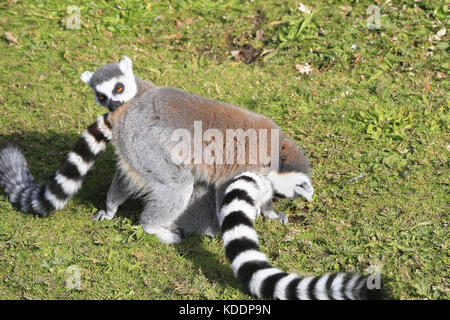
(158, 113)
(242, 201)
(105, 83)
(179, 198)
(115, 83)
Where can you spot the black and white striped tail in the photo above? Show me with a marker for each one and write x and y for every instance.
(28, 196)
(250, 265)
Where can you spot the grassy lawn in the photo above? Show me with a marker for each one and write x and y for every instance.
(372, 115)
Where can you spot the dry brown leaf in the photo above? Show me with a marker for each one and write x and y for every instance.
(266, 51)
(10, 37)
(441, 75)
(173, 36)
(274, 23)
(188, 21)
(345, 10)
(247, 54)
(290, 235)
(235, 53)
(260, 35)
(303, 68)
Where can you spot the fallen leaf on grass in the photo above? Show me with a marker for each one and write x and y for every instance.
(260, 35)
(10, 38)
(341, 226)
(304, 9)
(345, 10)
(303, 68)
(266, 51)
(246, 54)
(439, 35)
(441, 75)
(173, 36)
(290, 235)
(274, 23)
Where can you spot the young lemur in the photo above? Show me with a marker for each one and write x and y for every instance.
(183, 198)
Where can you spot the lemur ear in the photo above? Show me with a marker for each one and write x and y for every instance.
(126, 65)
(86, 77)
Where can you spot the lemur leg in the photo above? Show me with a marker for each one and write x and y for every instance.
(200, 215)
(270, 214)
(166, 203)
(117, 195)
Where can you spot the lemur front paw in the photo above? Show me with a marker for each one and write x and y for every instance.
(102, 215)
(164, 235)
(272, 215)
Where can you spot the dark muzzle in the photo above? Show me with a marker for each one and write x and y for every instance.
(112, 105)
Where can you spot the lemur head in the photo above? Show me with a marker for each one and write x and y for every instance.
(113, 84)
(293, 179)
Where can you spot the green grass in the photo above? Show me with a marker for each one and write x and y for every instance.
(380, 110)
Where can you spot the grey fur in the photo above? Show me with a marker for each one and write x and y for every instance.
(105, 73)
(14, 172)
(118, 193)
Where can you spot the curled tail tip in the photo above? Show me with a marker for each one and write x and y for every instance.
(13, 166)
(18, 183)
(9, 147)
(7, 144)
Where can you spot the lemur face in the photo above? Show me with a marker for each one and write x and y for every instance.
(113, 84)
(291, 185)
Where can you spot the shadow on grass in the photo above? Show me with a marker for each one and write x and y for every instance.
(44, 154)
(207, 262)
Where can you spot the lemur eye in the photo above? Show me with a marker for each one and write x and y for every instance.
(101, 97)
(119, 88)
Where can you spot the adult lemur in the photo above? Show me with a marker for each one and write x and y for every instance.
(184, 198)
